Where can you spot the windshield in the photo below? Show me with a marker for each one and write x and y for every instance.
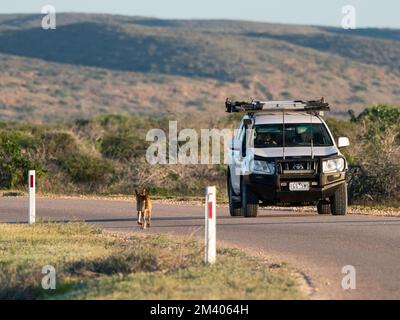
(296, 135)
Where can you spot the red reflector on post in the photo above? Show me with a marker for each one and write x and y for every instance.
(31, 181)
(210, 213)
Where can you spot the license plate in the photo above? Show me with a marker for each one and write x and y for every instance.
(299, 186)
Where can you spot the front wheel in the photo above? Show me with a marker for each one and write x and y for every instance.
(249, 201)
(339, 201)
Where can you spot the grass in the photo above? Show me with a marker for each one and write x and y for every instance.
(92, 264)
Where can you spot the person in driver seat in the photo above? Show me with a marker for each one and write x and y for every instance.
(266, 139)
(305, 137)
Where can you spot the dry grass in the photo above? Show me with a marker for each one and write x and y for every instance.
(91, 264)
(375, 210)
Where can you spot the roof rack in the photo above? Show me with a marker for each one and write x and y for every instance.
(293, 105)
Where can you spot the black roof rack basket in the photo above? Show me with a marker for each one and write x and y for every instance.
(290, 105)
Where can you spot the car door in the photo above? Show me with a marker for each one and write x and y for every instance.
(236, 158)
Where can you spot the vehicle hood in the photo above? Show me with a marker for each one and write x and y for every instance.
(295, 152)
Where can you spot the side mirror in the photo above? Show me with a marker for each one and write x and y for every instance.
(343, 142)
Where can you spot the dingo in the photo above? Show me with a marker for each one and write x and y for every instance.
(144, 208)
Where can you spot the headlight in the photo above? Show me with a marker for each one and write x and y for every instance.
(333, 165)
(263, 167)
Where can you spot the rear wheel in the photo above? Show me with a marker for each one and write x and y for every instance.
(323, 208)
(249, 201)
(339, 201)
(235, 207)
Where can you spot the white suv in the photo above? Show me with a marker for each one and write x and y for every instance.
(284, 154)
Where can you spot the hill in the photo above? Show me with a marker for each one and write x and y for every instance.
(93, 64)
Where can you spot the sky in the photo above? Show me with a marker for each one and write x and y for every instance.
(369, 13)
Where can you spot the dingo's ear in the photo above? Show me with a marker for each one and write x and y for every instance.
(136, 192)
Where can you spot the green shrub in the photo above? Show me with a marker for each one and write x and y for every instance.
(378, 119)
(359, 87)
(123, 147)
(22, 139)
(58, 145)
(14, 164)
(376, 172)
(86, 169)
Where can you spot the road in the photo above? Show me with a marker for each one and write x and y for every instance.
(318, 246)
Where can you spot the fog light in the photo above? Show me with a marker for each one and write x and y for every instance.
(283, 184)
(333, 177)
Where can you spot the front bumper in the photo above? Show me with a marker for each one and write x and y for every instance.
(274, 189)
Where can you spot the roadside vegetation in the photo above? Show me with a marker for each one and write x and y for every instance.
(374, 154)
(106, 155)
(92, 264)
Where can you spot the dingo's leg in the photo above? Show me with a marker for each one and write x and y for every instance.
(149, 218)
(144, 223)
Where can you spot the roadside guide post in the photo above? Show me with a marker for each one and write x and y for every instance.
(210, 228)
(32, 196)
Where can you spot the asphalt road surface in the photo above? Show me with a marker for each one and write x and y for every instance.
(318, 246)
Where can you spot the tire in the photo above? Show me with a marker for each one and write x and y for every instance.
(235, 207)
(339, 201)
(249, 202)
(323, 208)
